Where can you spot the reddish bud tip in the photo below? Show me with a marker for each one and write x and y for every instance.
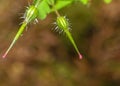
(4, 55)
(80, 56)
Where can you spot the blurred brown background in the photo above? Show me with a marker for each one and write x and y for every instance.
(42, 57)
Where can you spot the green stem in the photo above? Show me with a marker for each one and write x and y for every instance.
(20, 31)
(54, 8)
(73, 42)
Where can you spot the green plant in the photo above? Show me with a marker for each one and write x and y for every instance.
(35, 11)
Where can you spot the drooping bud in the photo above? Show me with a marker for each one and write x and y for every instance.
(63, 25)
(30, 15)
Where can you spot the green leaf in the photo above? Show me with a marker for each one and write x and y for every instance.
(107, 1)
(51, 2)
(61, 3)
(43, 8)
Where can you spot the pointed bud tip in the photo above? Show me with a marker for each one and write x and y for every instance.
(80, 56)
(4, 56)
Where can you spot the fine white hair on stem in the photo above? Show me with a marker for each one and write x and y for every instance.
(26, 28)
(22, 17)
(35, 21)
(21, 23)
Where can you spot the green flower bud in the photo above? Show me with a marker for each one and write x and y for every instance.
(62, 23)
(31, 14)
